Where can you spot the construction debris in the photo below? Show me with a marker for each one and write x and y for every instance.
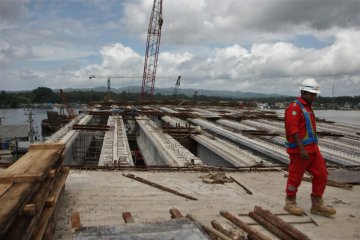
(175, 213)
(216, 178)
(128, 218)
(270, 227)
(243, 225)
(242, 185)
(280, 224)
(158, 186)
(207, 228)
(231, 234)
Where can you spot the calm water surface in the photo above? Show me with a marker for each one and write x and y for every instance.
(18, 116)
(347, 117)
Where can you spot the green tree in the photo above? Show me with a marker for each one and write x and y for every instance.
(44, 95)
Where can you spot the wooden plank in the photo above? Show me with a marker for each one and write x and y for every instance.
(28, 216)
(75, 221)
(28, 178)
(128, 218)
(41, 146)
(50, 202)
(36, 172)
(208, 229)
(175, 213)
(52, 173)
(39, 198)
(29, 210)
(242, 225)
(21, 230)
(48, 212)
(223, 230)
(4, 187)
(22, 164)
(14, 199)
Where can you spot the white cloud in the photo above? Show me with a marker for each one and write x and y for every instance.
(233, 45)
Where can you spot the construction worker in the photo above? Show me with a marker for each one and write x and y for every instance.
(303, 150)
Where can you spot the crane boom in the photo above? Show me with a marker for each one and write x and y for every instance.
(69, 109)
(177, 85)
(152, 51)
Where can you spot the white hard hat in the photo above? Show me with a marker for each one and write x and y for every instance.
(310, 85)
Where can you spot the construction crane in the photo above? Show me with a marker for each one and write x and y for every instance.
(152, 51)
(69, 109)
(177, 85)
(108, 81)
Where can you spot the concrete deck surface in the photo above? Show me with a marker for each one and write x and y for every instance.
(101, 196)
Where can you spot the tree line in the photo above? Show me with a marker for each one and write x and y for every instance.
(44, 95)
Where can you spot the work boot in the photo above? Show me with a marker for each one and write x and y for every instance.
(319, 208)
(291, 206)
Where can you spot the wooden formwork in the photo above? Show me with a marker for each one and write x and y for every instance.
(29, 190)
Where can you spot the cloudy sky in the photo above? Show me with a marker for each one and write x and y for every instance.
(264, 46)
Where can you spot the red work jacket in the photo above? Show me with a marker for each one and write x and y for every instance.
(295, 123)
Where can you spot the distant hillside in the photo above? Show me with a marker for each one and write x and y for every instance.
(186, 91)
(169, 91)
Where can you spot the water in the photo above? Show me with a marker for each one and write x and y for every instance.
(347, 117)
(17, 116)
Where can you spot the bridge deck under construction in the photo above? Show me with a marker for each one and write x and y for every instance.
(135, 164)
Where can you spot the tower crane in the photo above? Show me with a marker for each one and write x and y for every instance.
(152, 51)
(177, 85)
(108, 81)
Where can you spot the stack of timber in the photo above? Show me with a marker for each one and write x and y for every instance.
(29, 190)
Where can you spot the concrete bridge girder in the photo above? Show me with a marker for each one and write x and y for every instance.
(115, 148)
(159, 148)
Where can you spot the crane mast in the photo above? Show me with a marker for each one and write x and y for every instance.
(177, 85)
(69, 109)
(152, 51)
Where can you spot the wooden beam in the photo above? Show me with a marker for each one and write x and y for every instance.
(32, 167)
(29, 210)
(221, 229)
(50, 202)
(158, 186)
(128, 217)
(242, 225)
(280, 224)
(46, 146)
(14, 198)
(175, 213)
(75, 221)
(48, 212)
(208, 229)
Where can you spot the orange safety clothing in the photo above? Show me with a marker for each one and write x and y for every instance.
(295, 122)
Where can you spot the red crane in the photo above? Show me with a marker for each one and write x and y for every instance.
(152, 51)
(69, 109)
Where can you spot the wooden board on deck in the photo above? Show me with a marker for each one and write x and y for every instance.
(32, 167)
(48, 212)
(14, 198)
